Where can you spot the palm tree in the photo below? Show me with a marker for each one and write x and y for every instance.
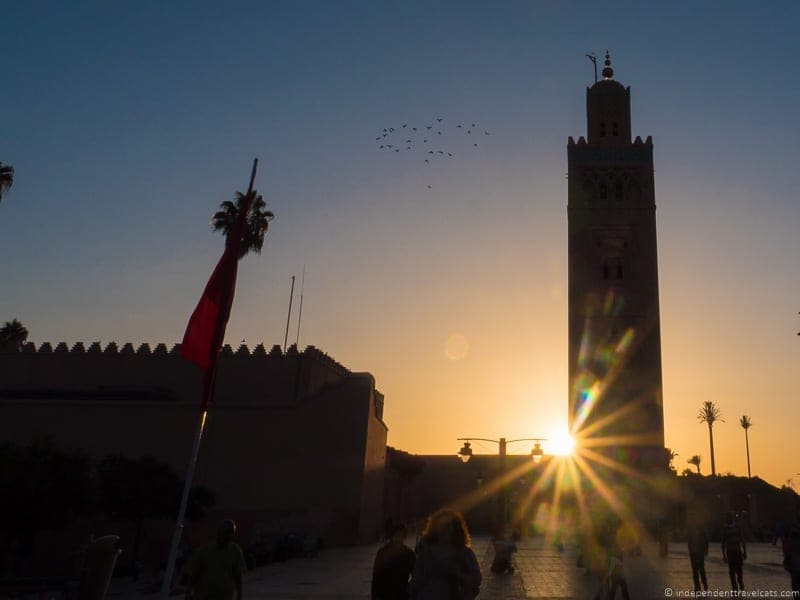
(746, 424)
(671, 455)
(6, 178)
(695, 460)
(258, 219)
(12, 335)
(710, 414)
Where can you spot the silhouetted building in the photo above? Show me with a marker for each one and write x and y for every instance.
(295, 442)
(614, 334)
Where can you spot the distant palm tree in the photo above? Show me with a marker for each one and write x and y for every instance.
(695, 460)
(671, 455)
(710, 414)
(6, 178)
(258, 219)
(746, 424)
(13, 334)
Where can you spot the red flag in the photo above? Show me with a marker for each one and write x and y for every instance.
(206, 329)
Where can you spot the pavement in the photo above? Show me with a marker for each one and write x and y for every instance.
(542, 572)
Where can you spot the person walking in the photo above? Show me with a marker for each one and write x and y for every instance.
(392, 568)
(445, 567)
(698, 550)
(734, 551)
(791, 551)
(215, 570)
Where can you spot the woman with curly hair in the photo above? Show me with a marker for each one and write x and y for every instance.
(446, 567)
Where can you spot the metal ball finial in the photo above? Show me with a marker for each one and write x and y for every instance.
(608, 72)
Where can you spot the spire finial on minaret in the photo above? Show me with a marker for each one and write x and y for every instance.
(608, 72)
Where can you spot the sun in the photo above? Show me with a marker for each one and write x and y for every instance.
(561, 443)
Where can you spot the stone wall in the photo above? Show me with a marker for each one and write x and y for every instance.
(295, 442)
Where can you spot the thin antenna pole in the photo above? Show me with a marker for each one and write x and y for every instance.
(289, 317)
(300, 312)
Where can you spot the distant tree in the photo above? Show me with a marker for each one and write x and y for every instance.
(42, 487)
(145, 488)
(13, 335)
(710, 414)
(687, 472)
(257, 223)
(695, 460)
(746, 424)
(6, 178)
(671, 455)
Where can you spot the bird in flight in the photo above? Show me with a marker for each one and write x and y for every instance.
(430, 187)
(430, 151)
(449, 154)
(476, 145)
(439, 132)
(405, 125)
(427, 161)
(457, 127)
(441, 151)
(439, 119)
(486, 133)
(429, 127)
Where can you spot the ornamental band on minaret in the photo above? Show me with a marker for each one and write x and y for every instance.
(615, 402)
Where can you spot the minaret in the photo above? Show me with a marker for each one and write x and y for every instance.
(614, 334)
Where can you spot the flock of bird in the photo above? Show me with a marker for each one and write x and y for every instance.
(430, 142)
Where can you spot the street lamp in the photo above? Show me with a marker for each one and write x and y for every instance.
(465, 454)
(537, 453)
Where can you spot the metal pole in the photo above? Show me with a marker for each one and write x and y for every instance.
(300, 312)
(502, 454)
(288, 318)
(208, 393)
(166, 585)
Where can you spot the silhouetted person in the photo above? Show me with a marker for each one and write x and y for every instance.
(392, 568)
(215, 570)
(791, 551)
(698, 550)
(734, 551)
(446, 566)
(616, 576)
(504, 548)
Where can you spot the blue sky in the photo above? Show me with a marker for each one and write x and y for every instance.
(128, 123)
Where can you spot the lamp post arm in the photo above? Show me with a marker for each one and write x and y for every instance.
(476, 439)
(527, 440)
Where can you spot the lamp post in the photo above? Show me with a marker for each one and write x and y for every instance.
(465, 454)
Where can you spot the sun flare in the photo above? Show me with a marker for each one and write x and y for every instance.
(561, 443)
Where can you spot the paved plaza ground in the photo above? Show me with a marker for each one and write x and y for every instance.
(542, 573)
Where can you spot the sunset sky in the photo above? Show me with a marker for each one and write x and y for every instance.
(128, 123)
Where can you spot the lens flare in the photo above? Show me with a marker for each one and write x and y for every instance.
(456, 347)
(561, 443)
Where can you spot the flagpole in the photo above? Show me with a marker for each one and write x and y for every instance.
(208, 394)
(166, 585)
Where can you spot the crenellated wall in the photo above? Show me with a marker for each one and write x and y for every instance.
(294, 440)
